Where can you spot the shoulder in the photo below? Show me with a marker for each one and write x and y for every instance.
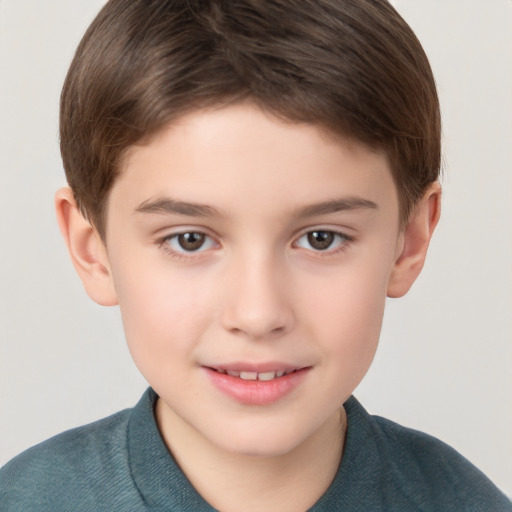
(421, 470)
(68, 468)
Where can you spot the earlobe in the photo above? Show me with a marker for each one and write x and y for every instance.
(86, 249)
(416, 239)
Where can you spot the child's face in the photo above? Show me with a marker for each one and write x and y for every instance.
(238, 242)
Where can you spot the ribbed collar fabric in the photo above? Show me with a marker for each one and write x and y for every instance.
(160, 482)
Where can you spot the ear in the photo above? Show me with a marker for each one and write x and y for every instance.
(87, 250)
(415, 242)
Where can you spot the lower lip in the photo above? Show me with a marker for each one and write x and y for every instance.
(256, 392)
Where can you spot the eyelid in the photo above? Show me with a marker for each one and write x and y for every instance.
(170, 231)
(162, 240)
(346, 239)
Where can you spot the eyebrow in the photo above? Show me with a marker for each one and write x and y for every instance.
(337, 205)
(173, 206)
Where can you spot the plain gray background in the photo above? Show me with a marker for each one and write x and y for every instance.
(444, 363)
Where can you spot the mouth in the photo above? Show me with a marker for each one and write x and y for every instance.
(250, 375)
(252, 385)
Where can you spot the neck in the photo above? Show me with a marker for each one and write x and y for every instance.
(231, 482)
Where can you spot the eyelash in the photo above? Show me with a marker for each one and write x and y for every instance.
(342, 244)
(164, 244)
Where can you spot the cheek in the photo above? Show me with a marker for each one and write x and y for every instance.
(350, 338)
(347, 315)
(350, 324)
(163, 313)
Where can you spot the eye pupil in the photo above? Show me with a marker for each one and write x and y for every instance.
(191, 241)
(321, 239)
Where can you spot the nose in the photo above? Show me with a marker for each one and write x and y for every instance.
(258, 304)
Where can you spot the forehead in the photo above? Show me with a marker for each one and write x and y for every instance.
(230, 156)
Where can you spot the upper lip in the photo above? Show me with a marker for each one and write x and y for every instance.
(256, 367)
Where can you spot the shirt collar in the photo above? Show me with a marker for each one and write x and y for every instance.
(160, 482)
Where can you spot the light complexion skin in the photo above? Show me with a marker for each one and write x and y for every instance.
(251, 259)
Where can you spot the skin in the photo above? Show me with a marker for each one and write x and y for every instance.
(259, 291)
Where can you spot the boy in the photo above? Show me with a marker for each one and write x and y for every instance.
(252, 313)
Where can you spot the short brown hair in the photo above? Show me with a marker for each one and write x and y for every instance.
(352, 66)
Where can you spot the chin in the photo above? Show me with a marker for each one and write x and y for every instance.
(259, 442)
(260, 450)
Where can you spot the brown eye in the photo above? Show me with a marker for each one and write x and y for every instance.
(320, 240)
(191, 241)
(188, 242)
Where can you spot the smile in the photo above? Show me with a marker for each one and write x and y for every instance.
(264, 376)
(252, 387)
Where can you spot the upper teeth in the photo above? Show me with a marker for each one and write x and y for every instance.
(255, 375)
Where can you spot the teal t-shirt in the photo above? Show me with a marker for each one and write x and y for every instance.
(121, 463)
